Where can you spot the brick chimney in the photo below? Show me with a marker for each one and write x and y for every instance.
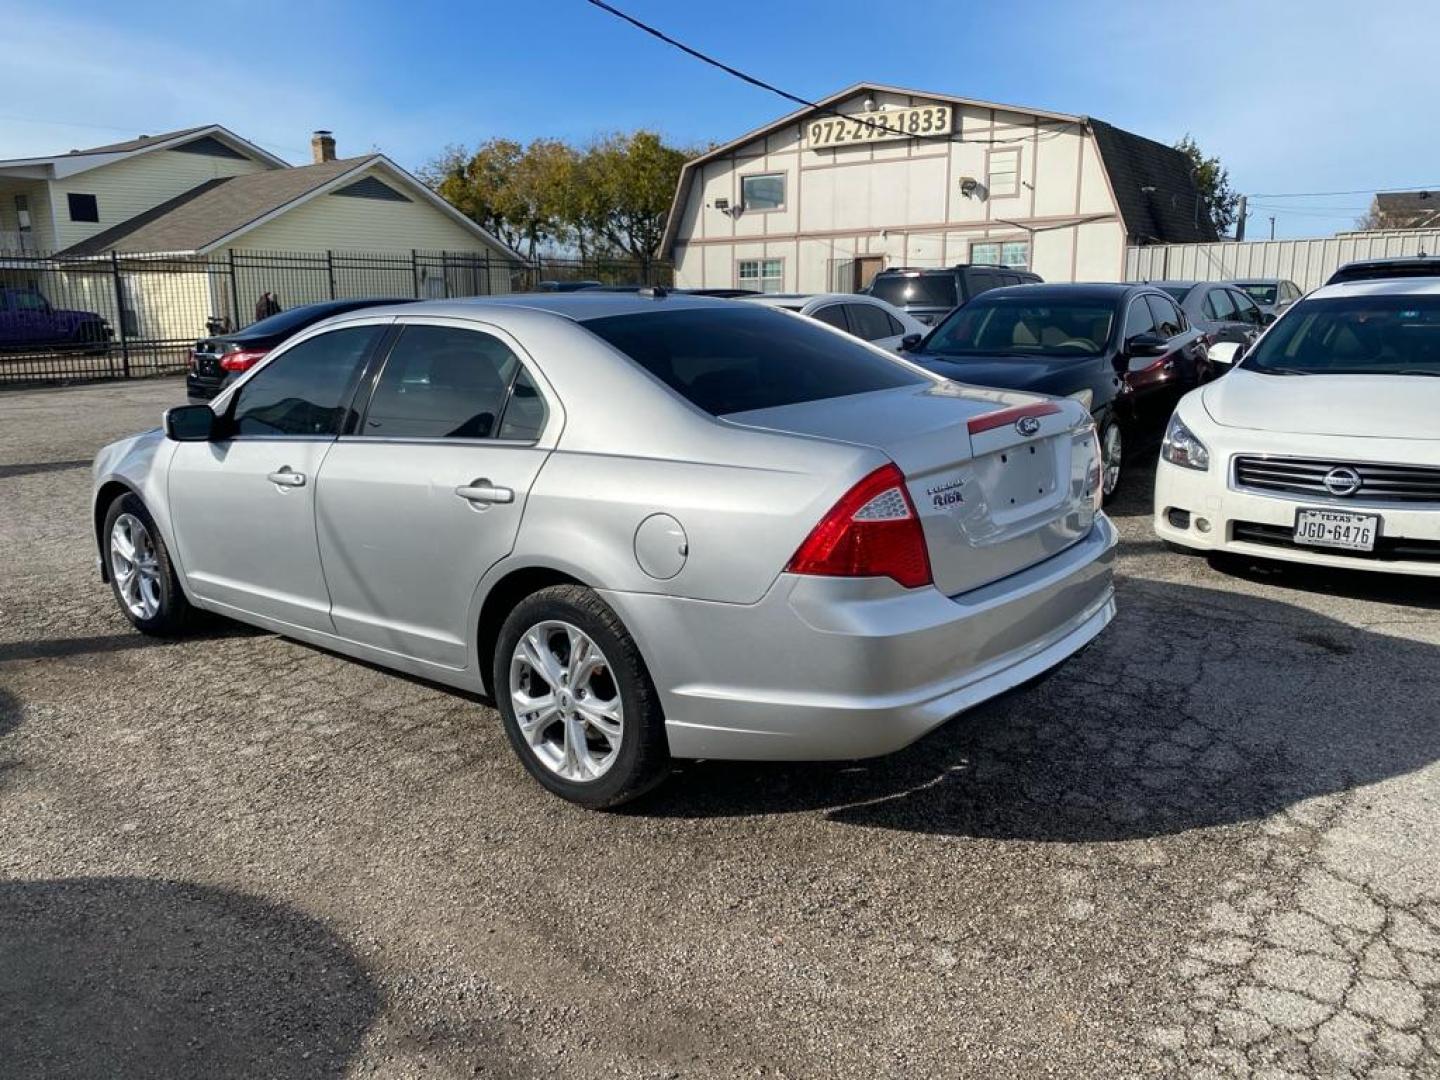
(322, 147)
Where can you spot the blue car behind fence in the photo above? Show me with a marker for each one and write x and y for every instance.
(28, 321)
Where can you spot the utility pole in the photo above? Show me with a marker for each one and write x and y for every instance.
(1240, 213)
(1272, 226)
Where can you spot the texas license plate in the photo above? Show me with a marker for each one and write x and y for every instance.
(1337, 529)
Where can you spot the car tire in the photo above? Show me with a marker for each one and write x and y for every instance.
(1112, 441)
(599, 740)
(142, 577)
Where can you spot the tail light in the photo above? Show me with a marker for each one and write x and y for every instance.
(873, 531)
(1096, 479)
(242, 359)
(192, 361)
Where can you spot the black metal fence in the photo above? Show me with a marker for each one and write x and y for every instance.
(126, 316)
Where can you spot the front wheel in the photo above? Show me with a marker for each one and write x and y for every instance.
(578, 705)
(141, 575)
(1112, 459)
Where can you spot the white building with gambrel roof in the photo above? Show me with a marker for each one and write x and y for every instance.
(880, 176)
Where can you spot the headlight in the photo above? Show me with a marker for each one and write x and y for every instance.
(1182, 448)
(1084, 397)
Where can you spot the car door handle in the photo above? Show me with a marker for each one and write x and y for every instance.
(287, 477)
(482, 491)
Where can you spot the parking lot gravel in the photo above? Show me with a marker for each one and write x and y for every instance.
(1203, 847)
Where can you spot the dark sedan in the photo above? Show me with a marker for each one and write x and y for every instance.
(1125, 351)
(217, 360)
(1229, 319)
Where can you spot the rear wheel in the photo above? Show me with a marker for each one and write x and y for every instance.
(1112, 458)
(141, 575)
(578, 705)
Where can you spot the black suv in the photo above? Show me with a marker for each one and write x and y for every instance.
(1403, 266)
(928, 295)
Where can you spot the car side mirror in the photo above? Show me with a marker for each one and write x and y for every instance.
(1146, 345)
(1267, 317)
(191, 423)
(909, 341)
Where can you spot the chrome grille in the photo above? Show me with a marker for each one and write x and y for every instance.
(1306, 476)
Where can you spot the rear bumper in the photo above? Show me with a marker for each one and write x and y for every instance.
(1239, 520)
(201, 386)
(836, 669)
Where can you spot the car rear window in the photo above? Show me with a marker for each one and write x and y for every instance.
(1179, 292)
(1260, 292)
(924, 290)
(739, 359)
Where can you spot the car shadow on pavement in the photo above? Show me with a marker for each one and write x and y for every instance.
(127, 977)
(212, 628)
(1196, 708)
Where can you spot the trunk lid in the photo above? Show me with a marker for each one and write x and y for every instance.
(993, 498)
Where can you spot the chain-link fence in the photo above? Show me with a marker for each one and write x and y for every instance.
(124, 316)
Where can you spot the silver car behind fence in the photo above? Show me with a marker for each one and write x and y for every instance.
(652, 527)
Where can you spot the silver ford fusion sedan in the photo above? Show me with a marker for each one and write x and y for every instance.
(650, 526)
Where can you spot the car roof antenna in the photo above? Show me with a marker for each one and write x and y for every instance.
(655, 292)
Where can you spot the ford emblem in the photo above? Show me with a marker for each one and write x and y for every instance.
(1030, 425)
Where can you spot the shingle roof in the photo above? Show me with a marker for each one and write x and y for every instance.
(140, 141)
(1408, 202)
(1167, 214)
(197, 218)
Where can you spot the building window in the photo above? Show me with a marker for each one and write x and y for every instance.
(766, 275)
(84, 207)
(763, 192)
(1009, 253)
(1003, 175)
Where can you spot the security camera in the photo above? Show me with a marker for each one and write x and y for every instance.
(969, 186)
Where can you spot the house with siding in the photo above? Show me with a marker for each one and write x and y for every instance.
(195, 204)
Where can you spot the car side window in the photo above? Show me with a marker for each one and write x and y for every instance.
(1168, 320)
(832, 315)
(306, 389)
(524, 416)
(1219, 306)
(1246, 309)
(442, 382)
(870, 323)
(1139, 319)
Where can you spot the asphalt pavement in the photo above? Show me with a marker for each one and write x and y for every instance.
(1206, 846)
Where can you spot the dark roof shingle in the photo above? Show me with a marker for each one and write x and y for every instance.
(1157, 197)
(140, 141)
(197, 218)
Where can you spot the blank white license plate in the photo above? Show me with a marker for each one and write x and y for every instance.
(1337, 529)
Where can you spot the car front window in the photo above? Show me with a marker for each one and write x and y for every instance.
(1360, 335)
(304, 391)
(1024, 327)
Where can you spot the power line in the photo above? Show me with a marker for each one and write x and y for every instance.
(795, 98)
(1357, 191)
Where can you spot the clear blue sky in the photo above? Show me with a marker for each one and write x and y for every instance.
(1321, 96)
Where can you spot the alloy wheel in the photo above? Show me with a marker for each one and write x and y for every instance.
(567, 703)
(135, 566)
(1111, 452)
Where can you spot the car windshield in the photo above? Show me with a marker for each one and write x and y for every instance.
(924, 290)
(1020, 326)
(741, 358)
(1260, 292)
(1353, 335)
(1179, 292)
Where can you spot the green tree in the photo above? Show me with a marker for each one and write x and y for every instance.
(625, 184)
(1213, 180)
(521, 194)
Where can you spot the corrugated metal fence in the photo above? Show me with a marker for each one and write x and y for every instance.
(1306, 262)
